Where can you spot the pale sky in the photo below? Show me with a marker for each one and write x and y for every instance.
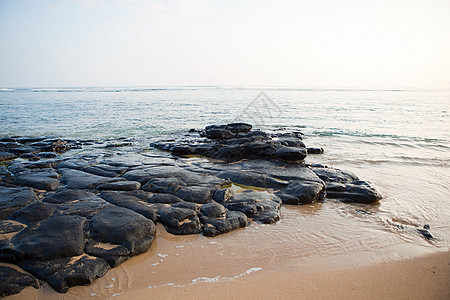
(305, 43)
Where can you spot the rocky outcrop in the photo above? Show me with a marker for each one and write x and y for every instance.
(67, 219)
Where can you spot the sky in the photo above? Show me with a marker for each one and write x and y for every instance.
(303, 43)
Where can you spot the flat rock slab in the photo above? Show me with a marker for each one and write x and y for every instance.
(64, 273)
(180, 220)
(75, 179)
(120, 186)
(13, 281)
(122, 226)
(56, 237)
(4, 156)
(13, 199)
(48, 181)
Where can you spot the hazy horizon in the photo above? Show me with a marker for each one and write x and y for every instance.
(294, 44)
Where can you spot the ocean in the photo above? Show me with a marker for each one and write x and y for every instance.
(397, 139)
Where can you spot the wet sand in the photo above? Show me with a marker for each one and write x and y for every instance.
(426, 277)
(197, 267)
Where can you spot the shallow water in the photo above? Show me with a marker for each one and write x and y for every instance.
(398, 140)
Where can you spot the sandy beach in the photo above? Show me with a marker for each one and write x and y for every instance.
(426, 277)
(195, 267)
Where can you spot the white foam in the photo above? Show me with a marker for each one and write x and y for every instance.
(162, 255)
(209, 279)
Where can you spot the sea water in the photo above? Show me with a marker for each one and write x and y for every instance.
(397, 139)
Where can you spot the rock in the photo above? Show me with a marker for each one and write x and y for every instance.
(219, 133)
(75, 164)
(124, 227)
(213, 210)
(75, 179)
(231, 221)
(46, 155)
(142, 195)
(114, 254)
(133, 203)
(425, 234)
(105, 170)
(223, 195)
(292, 142)
(30, 156)
(328, 174)
(290, 153)
(120, 186)
(180, 220)
(23, 149)
(190, 205)
(13, 199)
(67, 195)
(303, 192)
(139, 175)
(64, 273)
(315, 150)
(261, 206)
(16, 167)
(5, 156)
(251, 179)
(8, 253)
(356, 191)
(164, 198)
(163, 185)
(196, 194)
(34, 213)
(13, 281)
(56, 237)
(83, 208)
(40, 180)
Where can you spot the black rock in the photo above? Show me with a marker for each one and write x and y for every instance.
(163, 185)
(303, 192)
(13, 199)
(196, 194)
(180, 220)
(34, 213)
(5, 156)
(105, 170)
(133, 203)
(83, 208)
(356, 191)
(118, 225)
(328, 174)
(67, 195)
(164, 198)
(40, 180)
(13, 281)
(56, 237)
(290, 153)
(8, 253)
(113, 254)
(64, 273)
(75, 179)
(120, 186)
(261, 206)
(213, 210)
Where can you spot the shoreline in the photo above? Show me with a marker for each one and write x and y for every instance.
(426, 277)
(423, 277)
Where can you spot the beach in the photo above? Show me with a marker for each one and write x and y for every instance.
(324, 249)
